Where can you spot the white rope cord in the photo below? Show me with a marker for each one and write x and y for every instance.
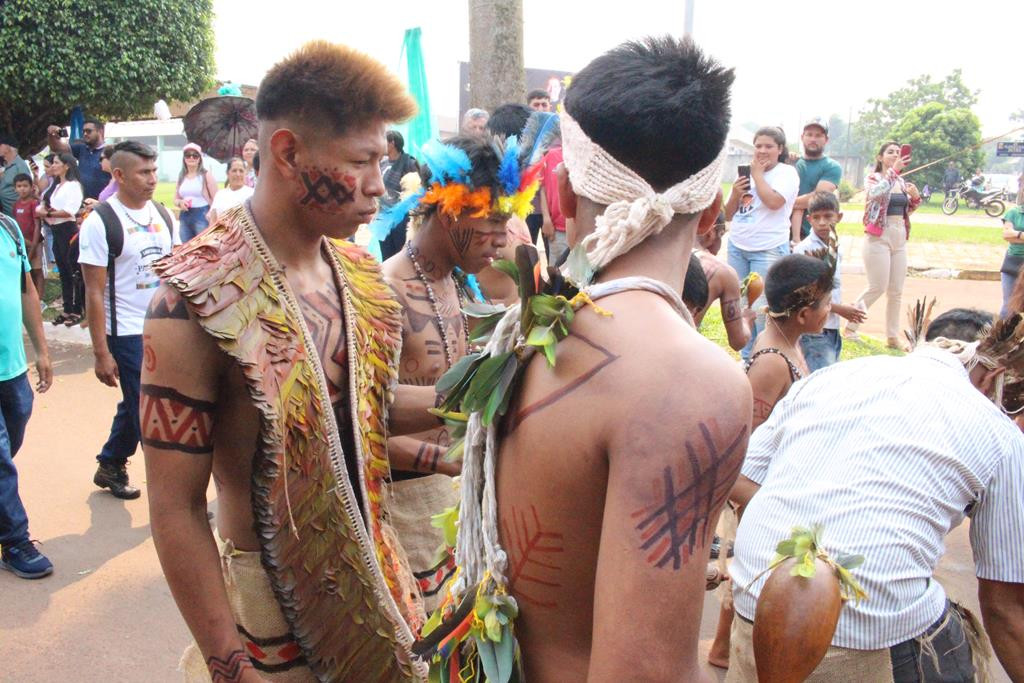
(634, 210)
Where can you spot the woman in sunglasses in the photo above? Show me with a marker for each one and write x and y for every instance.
(194, 193)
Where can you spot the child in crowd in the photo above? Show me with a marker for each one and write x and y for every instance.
(822, 349)
(799, 291)
(25, 214)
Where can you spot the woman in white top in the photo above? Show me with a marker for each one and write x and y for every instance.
(234, 192)
(249, 151)
(759, 208)
(194, 193)
(61, 202)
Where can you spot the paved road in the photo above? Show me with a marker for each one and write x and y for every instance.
(106, 614)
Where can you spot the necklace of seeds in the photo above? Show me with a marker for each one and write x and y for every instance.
(149, 221)
(449, 352)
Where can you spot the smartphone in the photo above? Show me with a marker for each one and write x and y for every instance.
(743, 170)
(905, 151)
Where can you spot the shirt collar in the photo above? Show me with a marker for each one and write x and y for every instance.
(940, 356)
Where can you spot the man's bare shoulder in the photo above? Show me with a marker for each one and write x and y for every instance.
(171, 332)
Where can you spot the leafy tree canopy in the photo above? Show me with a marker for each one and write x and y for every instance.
(112, 58)
(934, 131)
(881, 115)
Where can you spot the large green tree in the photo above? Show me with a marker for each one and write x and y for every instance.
(936, 131)
(112, 58)
(881, 115)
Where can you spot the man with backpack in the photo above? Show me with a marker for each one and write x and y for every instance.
(119, 242)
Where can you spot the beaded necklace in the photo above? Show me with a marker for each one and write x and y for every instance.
(149, 221)
(449, 352)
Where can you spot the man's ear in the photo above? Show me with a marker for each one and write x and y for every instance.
(283, 152)
(839, 218)
(710, 215)
(566, 195)
(118, 175)
(988, 380)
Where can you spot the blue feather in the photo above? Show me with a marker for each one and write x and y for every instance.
(446, 162)
(508, 172)
(541, 133)
(385, 221)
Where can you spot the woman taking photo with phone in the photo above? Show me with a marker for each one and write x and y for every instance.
(759, 207)
(887, 207)
(194, 193)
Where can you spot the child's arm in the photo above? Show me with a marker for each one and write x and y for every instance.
(851, 313)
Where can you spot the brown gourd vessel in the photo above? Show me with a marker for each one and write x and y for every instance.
(794, 622)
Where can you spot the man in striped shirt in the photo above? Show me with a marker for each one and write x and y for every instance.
(889, 455)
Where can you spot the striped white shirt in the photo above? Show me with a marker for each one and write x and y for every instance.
(889, 455)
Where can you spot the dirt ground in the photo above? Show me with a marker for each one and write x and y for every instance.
(107, 614)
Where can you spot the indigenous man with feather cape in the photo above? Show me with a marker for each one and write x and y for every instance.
(594, 470)
(270, 361)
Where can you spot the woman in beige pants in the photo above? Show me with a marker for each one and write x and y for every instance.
(889, 203)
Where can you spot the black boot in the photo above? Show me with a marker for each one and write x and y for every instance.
(115, 478)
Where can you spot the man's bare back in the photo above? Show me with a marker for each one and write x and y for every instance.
(724, 286)
(610, 477)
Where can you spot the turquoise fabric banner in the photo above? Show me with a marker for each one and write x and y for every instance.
(422, 127)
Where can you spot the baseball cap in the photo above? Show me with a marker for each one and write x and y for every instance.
(819, 122)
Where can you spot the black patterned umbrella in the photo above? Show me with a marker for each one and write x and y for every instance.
(221, 125)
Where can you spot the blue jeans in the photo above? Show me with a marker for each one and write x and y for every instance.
(1008, 281)
(15, 409)
(124, 432)
(745, 262)
(192, 221)
(821, 350)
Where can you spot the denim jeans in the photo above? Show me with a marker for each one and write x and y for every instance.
(192, 221)
(15, 409)
(745, 262)
(910, 665)
(124, 432)
(66, 255)
(1008, 281)
(821, 350)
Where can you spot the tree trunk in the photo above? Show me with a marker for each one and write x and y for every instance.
(496, 74)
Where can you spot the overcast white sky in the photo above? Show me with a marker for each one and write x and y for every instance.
(793, 58)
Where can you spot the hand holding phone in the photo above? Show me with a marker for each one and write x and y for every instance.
(743, 170)
(905, 152)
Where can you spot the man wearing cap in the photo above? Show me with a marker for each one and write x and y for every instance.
(818, 173)
(12, 166)
(89, 153)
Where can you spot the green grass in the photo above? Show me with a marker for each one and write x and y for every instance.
(165, 195)
(712, 328)
(931, 232)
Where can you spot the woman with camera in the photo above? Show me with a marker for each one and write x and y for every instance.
(759, 207)
(887, 207)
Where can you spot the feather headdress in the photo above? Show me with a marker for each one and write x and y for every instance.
(920, 317)
(1003, 347)
(811, 293)
(451, 188)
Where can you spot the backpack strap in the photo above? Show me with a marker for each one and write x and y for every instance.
(166, 216)
(11, 228)
(115, 243)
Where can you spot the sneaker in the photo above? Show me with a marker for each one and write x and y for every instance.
(25, 561)
(115, 478)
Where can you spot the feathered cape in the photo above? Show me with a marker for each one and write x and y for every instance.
(339, 587)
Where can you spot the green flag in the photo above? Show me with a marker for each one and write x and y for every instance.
(421, 128)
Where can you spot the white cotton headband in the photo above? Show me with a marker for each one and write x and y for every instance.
(634, 210)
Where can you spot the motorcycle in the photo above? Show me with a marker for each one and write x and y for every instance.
(989, 200)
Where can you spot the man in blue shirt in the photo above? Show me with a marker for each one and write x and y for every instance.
(19, 305)
(89, 153)
(817, 172)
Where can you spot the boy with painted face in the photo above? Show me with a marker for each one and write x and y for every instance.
(822, 349)
(460, 230)
(271, 350)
